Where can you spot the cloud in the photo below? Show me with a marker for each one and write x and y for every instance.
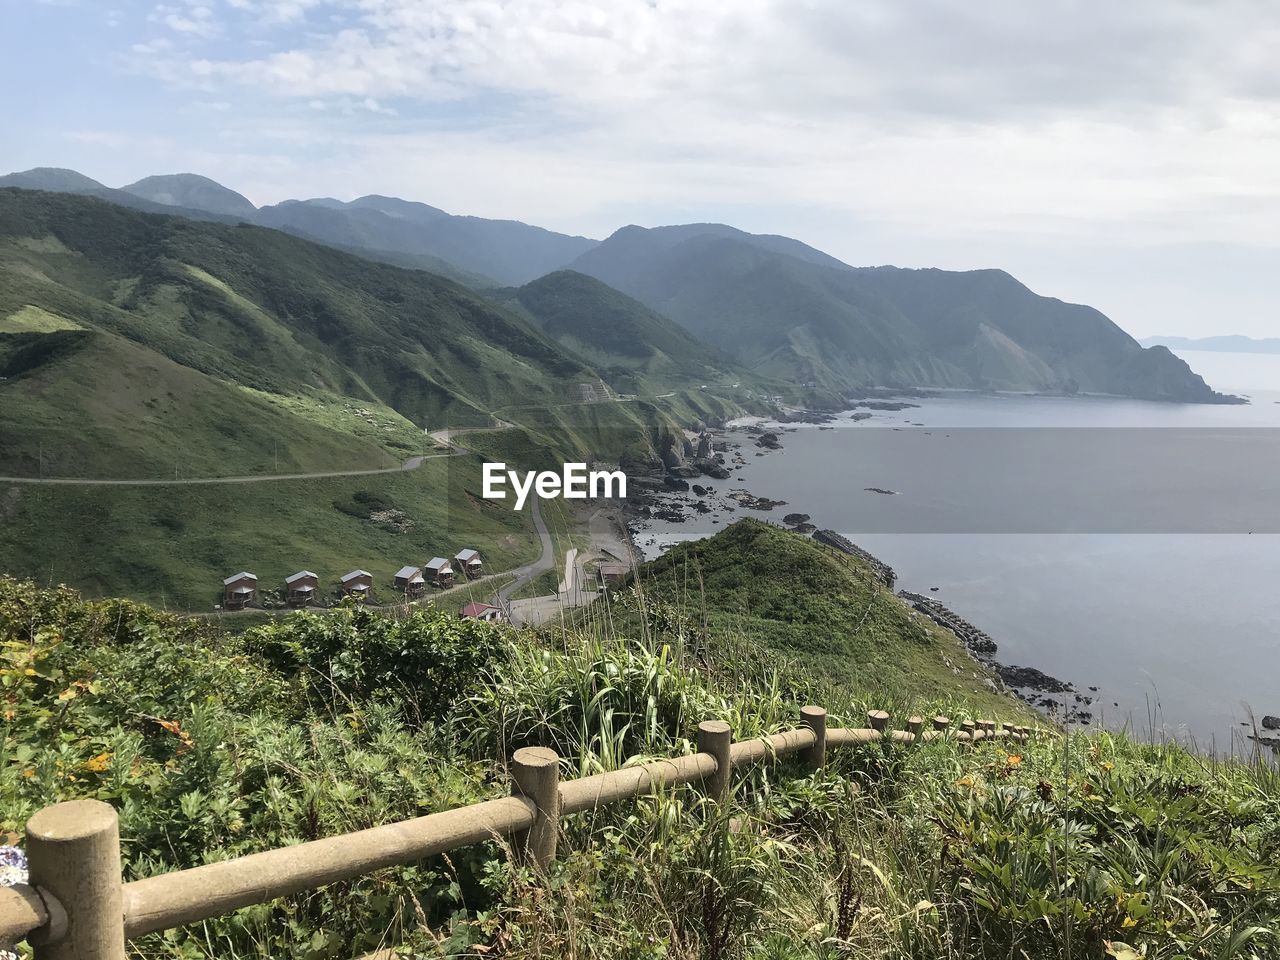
(194, 19)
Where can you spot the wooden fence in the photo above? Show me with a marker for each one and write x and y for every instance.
(76, 906)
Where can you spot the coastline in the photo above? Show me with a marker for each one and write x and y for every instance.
(720, 452)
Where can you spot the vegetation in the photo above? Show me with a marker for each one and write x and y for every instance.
(822, 610)
(214, 744)
(172, 336)
(172, 545)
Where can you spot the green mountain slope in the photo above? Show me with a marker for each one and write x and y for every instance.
(756, 593)
(789, 312)
(635, 350)
(221, 313)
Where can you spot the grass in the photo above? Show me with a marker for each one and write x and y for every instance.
(1075, 847)
(178, 331)
(173, 545)
(754, 586)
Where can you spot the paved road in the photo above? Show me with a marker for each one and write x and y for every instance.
(413, 463)
(546, 560)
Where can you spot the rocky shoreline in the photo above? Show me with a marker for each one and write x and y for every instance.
(667, 494)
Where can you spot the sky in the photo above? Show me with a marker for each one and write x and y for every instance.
(1125, 155)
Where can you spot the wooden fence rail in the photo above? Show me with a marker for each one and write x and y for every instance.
(76, 906)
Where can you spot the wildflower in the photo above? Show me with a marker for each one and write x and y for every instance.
(98, 764)
(1013, 759)
(29, 672)
(1108, 766)
(965, 781)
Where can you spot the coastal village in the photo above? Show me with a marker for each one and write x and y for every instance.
(241, 591)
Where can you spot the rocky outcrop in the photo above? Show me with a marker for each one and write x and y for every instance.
(978, 641)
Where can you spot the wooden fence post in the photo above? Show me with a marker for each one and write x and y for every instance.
(815, 718)
(941, 723)
(73, 851)
(878, 719)
(716, 738)
(536, 772)
(914, 726)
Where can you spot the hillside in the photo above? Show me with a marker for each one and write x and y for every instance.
(213, 744)
(635, 350)
(142, 341)
(786, 311)
(754, 587)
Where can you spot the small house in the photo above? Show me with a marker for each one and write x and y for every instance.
(409, 581)
(239, 590)
(482, 611)
(300, 589)
(357, 583)
(469, 563)
(440, 571)
(612, 574)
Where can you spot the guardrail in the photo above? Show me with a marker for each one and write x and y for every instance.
(76, 906)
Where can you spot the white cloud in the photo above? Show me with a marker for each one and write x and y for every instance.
(194, 19)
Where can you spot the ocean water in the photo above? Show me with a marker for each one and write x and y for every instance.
(1125, 545)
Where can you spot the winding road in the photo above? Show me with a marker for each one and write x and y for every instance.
(546, 560)
(413, 463)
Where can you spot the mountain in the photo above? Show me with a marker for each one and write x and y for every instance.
(55, 179)
(471, 250)
(1224, 344)
(506, 250)
(635, 350)
(787, 311)
(130, 343)
(191, 191)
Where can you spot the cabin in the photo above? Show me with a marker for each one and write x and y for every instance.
(482, 611)
(409, 581)
(612, 574)
(357, 583)
(239, 590)
(440, 571)
(300, 589)
(469, 563)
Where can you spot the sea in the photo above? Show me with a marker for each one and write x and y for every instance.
(1121, 545)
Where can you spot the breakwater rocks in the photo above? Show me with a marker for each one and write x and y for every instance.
(1027, 683)
(978, 641)
(883, 571)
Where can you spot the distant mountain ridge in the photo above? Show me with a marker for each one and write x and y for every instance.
(1231, 343)
(474, 250)
(787, 311)
(778, 308)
